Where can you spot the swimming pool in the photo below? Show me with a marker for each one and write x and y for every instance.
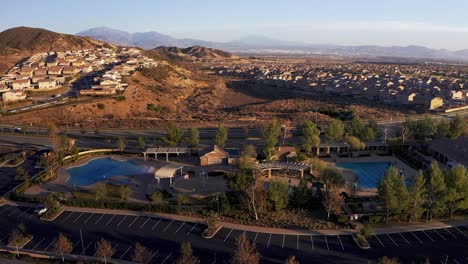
(100, 169)
(369, 173)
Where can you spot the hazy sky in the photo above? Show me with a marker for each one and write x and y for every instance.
(432, 23)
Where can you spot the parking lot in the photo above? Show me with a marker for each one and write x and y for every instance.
(163, 238)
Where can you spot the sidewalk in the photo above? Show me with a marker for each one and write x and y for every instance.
(390, 228)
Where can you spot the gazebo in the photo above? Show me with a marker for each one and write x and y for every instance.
(294, 166)
(165, 151)
(167, 171)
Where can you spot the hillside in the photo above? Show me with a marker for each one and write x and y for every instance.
(32, 40)
(191, 53)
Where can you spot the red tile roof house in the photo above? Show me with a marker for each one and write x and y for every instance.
(55, 70)
(70, 70)
(47, 84)
(21, 84)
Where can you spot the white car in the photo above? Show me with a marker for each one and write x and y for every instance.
(40, 210)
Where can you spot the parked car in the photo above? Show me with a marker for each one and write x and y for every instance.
(40, 210)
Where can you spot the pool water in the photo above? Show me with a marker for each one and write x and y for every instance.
(101, 169)
(369, 173)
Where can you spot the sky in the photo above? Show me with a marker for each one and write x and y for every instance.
(430, 23)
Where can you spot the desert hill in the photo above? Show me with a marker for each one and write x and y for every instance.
(192, 53)
(32, 40)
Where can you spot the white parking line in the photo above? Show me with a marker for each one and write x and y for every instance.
(435, 230)
(38, 243)
(152, 256)
(297, 244)
(45, 249)
(228, 235)
(25, 212)
(134, 221)
(179, 227)
(461, 231)
(14, 211)
(156, 224)
(5, 237)
(428, 236)
(456, 261)
(255, 238)
(420, 241)
(84, 250)
(405, 238)
(379, 240)
(145, 222)
(166, 258)
(342, 247)
(268, 244)
(312, 242)
(326, 242)
(87, 219)
(77, 218)
(129, 247)
(6, 208)
(191, 230)
(282, 245)
(99, 219)
(122, 220)
(168, 226)
(67, 217)
(392, 240)
(74, 246)
(110, 219)
(450, 233)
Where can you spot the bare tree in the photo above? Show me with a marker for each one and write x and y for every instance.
(63, 246)
(246, 252)
(105, 250)
(141, 254)
(186, 254)
(333, 202)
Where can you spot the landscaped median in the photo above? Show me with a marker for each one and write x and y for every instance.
(52, 214)
(361, 241)
(212, 227)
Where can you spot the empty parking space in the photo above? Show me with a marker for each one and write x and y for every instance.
(321, 243)
(277, 241)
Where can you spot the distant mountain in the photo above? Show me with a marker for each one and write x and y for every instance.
(191, 53)
(146, 40)
(262, 44)
(28, 39)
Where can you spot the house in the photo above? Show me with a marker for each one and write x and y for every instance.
(21, 84)
(47, 84)
(14, 95)
(55, 70)
(40, 71)
(234, 155)
(213, 155)
(429, 102)
(456, 95)
(450, 152)
(70, 70)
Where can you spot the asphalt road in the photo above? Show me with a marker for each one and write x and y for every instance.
(163, 237)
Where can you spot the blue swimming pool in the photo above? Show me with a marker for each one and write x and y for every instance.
(101, 169)
(369, 173)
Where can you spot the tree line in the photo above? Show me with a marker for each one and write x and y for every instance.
(431, 193)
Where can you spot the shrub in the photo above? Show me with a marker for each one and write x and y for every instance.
(101, 106)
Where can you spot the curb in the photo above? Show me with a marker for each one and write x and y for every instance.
(53, 218)
(214, 233)
(359, 245)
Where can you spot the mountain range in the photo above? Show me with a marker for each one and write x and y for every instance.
(261, 44)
